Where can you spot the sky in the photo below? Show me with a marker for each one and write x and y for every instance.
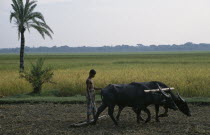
(113, 22)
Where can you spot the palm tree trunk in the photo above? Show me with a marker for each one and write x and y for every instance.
(22, 46)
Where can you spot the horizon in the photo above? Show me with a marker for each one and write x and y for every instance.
(110, 45)
(113, 46)
(107, 23)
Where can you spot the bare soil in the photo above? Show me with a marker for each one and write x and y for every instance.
(55, 119)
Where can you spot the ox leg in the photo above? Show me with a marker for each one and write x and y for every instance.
(100, 110)
(119, 112)
(156, 113)
(148, 114)
(138, 114)
(110, 112)
(165, 114)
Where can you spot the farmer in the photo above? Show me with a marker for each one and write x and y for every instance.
(90, 96)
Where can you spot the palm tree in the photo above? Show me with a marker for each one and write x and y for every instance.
(24, 18)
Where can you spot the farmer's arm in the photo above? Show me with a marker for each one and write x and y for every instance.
(97, 88)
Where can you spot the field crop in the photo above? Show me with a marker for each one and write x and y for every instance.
(188, 72)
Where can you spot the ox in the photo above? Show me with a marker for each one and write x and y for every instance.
(179, 101)
(132, 95)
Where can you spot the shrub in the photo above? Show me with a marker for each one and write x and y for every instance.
(38, 75)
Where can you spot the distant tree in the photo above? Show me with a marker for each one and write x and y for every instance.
(189, 43)
(38, 75)
(25, 18)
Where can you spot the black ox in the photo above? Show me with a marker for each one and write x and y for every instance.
(179, 101)
(132, 95)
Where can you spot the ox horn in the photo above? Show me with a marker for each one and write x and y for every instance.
(162, 91)
(180, 97)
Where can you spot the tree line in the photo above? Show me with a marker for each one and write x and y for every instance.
(189, 46)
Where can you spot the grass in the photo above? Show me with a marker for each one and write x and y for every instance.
(188, 72)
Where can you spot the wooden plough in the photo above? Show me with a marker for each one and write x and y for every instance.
(85, 123)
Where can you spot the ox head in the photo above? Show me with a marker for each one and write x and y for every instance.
(168, 101)
(182, 105)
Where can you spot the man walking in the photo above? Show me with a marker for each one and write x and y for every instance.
(90, 96)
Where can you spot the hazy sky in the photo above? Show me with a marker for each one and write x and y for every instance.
(114, 22)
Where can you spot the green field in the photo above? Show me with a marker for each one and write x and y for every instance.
(188, 72)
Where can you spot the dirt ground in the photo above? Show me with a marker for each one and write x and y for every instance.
(55, 119)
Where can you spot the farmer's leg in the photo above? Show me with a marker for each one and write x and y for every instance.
(94, 109)
(89, 109)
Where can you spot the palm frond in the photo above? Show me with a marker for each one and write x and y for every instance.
(27, 25)
(42, 30)
(16, 5)
(24, 16)
(21, 8)
(39, 29)
(47, 32)
(31, 8)
(20, 4)
(15, 8)
(34, 21)
(12, 15)
(28, 6)
(20, 13)
(37, 15)
(44, 25)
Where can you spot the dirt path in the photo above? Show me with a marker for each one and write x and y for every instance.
(44, 119)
